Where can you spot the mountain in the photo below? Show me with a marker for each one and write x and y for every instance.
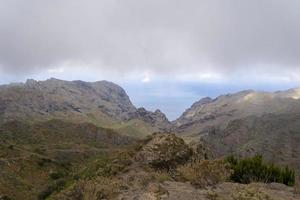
(219, 112)
(247, 123)
(102, 103)
(86, 140)
(275, 136)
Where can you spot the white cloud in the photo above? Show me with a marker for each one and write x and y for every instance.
(146, 78)
(56, 70)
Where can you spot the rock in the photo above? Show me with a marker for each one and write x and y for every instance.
(156, 119)
(165, 151)
(201, 150)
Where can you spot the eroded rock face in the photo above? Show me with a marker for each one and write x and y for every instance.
(156, 119)
(165, 151)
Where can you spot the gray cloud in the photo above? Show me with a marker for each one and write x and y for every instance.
(165, 36)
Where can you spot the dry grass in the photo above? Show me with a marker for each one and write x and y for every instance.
(99, 188)
(161, 176)
(205, 173)
(250, 193)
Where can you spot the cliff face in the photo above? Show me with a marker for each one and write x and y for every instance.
(103, 103)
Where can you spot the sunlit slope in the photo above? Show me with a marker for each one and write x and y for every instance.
(225, 108)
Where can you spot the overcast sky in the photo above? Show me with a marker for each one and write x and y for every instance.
(165, 53)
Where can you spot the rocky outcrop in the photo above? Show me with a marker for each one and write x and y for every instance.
(157, 118)
(165, 151)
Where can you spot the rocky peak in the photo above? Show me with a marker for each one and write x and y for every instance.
(202, 101)
(158, 112)
(31, 83)
(156, 119)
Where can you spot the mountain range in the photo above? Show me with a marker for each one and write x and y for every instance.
(66, 124)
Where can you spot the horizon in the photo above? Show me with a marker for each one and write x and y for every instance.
(186, 94)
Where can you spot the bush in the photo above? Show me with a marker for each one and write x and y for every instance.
(205, 173)
(97, 188)
(254, 169)
(56, 186)
(161, 176)
(4, 197)
(56, 175)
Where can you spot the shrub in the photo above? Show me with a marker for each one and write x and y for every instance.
(56, 174)
(97, 188)
(254, 169)
(56, 186)
(4, 197)
(165, 152)
(205, 173)
(161, 176)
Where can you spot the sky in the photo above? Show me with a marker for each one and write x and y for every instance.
(165, 53)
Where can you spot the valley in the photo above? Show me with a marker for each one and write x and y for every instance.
(86, 140)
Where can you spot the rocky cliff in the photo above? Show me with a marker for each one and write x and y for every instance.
(102, 103)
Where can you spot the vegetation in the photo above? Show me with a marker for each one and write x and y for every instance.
(96, 188)
(254, 169)
(205, 172)
(165, 152)
(41, 159)
(56, 186)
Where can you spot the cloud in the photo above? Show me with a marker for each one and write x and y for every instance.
(146, 79)
(198, 39)
(56, 70)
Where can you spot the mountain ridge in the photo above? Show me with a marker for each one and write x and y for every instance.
(102, 103)
(224, 108)
(105, 103)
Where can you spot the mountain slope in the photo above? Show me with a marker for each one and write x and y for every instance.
(102, 103)
(37, 159)
(225, 108)
(247, 123)
(275, 136)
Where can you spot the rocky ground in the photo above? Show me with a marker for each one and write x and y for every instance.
(170, 190)
(161, 169)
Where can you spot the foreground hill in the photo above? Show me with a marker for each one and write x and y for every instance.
(36, 159)
(165, 167)
(102, 103)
